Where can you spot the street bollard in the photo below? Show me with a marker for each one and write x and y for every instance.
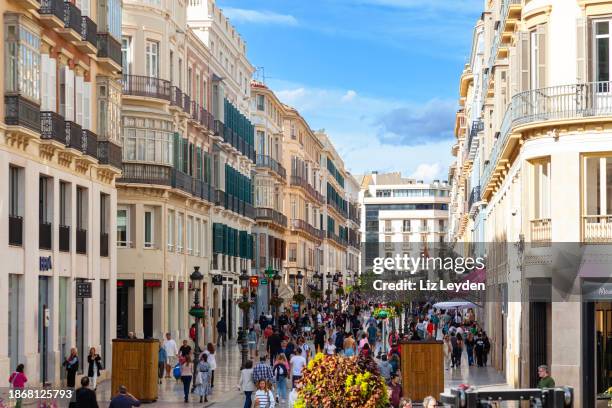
(546, 398)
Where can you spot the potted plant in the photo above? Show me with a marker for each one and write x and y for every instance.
(276, 301)
(299, 298)
(244, 305)
(340, 291)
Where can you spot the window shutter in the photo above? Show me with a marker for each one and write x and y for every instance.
(45, 82)
(87, 105)
(524, 60)
(52, 87)
(581, 47)
(177, 163)
(514, 71)
(79, 100)
(69, 94)
(541, 35)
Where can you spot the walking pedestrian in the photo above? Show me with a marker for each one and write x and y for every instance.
(262, 370)
(264, 398)
(273, 345)
(221, 331)
(71, 363)
(281, 373)
(212, 362)
(186, 374)
(487, 348)
(185, 349)
(252, 342)
(385, 368)
(162, 357)
(457, 350)
(124, 399)
(171, 353)
(469, 348)
(396, 391)
(546, 381)
(479, 347)
(246, 383)
(319, 338)
(202, 379)
(297, 365)
(330, 347)
(94, 365)
(448, 351)
(18, 380)
(85, 397)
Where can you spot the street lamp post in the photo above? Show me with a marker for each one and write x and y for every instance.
(276, 282)
(196, 277)
(244, 285)
(299, 283)
(329, 287)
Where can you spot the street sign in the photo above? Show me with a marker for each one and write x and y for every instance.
(270, 272)
(263, 281)
(217, 279)
(83, 290)
(254, 281)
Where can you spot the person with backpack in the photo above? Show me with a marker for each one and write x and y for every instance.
(281, 373)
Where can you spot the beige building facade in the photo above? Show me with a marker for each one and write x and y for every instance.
(543, 180)
(59, 159)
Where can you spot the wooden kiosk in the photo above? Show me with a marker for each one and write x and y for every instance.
(135, 366)
(422, 365)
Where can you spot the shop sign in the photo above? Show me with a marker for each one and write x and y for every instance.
(44, 263)
(83, 290)
(263, 281)
(152, 284)
(217, 279)
(597, 291)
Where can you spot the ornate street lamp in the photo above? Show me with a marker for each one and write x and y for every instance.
(299, 288)
(244, 285)
(196, 311)
(329, 286)
(276, 282)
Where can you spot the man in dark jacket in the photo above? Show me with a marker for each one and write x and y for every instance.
(221, 330)
(85, 397)
(124, 399)
(274, 346)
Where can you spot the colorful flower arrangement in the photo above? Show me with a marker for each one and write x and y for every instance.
(384, 313)
(336, 381)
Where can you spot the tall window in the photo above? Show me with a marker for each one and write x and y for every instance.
(260, 103)
(261, 142)
(64, 203)
(152, 58)
(292, 252)
(149, 140)
(170, 232)
(148, 228)
(171, 61)
(197, 238)
(45, 189)
(123, 231)
(109, 110)
(190, 235)
(406, 225)
(541, 190)
(602, 52)
(126, 55)
(179, 236)
(22, 58)
(49, 83)
(81, 210)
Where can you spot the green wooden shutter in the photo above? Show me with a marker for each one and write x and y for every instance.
(176, 151)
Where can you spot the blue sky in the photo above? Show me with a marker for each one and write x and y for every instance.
(380, 76)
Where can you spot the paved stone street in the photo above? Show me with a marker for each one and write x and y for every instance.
(226, 394)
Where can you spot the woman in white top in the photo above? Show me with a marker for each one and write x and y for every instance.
(264, 398)
(246, 384)
(212, 362)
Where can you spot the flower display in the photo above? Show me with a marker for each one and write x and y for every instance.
(331, 381)
(384, 313)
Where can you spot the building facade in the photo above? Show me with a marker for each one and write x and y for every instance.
(60, 150)
(543, 153)
(270, 180)
(401, 214)
(185, 199)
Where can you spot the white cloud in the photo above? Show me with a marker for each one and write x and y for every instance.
(354, 129)
(259, 16)
(349, 96)
(426, 171)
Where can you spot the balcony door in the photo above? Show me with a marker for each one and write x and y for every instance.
(601, 65)
(597, 199)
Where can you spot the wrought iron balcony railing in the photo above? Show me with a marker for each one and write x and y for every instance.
(149, 87)
(109, 153)
(19, 111)
(89, 31)
(109, 47)
(270, 214)
(269, 162)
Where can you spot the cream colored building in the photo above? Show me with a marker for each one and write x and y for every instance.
(270, 180)
(544, 152)
(60, 153)
(185, 196)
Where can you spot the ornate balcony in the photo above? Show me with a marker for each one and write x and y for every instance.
(52, 13)
(303, 226)
(89, 143)
(336, 238)
(541, 232)
(72, 23)
(264, 161)
(578, 102)
(341, 211)
(109, 154)
(270, 215)
(74, 135)
(182, 181)
(303, 183)
(140, 173)
(53, 127)
(147, 87)
(21, 112)
(109, 52)
(597, 228)
(89, 39)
